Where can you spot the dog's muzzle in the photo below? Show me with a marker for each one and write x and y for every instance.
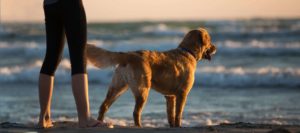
(209, 52)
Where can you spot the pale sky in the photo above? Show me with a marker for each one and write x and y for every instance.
(156, 10)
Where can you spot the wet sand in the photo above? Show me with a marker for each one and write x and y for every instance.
(71, 127)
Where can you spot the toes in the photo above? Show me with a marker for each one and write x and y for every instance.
(44, 125)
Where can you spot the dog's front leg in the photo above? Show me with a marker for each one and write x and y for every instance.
(180, 103)
(171, 103)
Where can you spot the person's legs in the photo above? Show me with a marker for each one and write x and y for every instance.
(76, 32)
(45, 95)
(80, 92)
(55, 42)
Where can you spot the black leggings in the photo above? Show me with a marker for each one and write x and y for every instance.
(65, 17)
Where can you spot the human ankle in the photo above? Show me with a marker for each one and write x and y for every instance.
(46, 117)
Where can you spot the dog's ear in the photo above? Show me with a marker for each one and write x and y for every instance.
(208, 49)
(205, 38)
(192, 41)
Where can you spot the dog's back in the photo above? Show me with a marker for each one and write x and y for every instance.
(160, 61)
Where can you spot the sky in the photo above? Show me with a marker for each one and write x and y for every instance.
(158, 10)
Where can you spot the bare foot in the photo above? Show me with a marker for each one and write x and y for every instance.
(44, 124)
(95, 123)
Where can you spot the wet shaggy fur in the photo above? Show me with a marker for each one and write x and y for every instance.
(170, 72)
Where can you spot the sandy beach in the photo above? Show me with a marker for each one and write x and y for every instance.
(67, 126)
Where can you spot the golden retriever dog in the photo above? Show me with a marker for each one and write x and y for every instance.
(170, 72)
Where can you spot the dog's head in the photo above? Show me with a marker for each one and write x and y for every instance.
(199, 44)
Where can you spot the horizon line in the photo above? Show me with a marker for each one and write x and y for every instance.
(170, 20)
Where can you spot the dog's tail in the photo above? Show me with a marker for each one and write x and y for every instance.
(103, 58)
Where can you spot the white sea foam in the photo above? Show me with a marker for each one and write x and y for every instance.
(163, 29)
(19, 44)
(190, 120)
(257, 44)
(243, 77)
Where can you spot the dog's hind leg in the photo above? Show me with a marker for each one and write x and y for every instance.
(140, 100)
(171, 103)
(117, 88)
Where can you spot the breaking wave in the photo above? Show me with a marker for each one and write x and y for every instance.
(204, 76)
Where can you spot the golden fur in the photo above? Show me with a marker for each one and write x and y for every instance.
(170, 73)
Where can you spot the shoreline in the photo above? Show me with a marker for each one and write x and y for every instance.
(240, 127)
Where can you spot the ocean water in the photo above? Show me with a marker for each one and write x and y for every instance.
(254, 76)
